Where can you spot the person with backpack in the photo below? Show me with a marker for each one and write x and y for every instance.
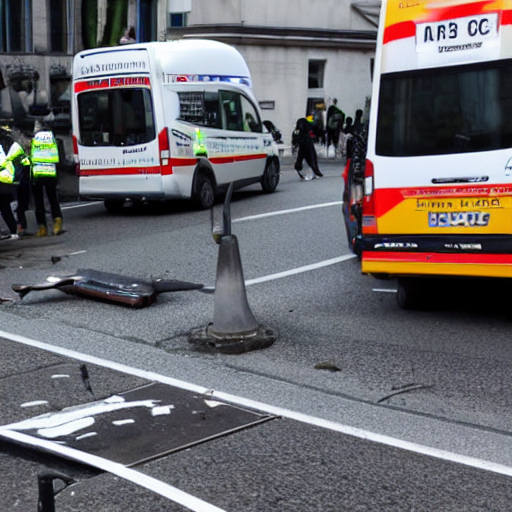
(304, 135)
(335, 120)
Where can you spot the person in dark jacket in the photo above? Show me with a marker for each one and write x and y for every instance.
(22, 167)
(335, 120)
(305, 137)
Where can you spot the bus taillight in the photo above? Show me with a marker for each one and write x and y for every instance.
(76, 159)
(369, 221)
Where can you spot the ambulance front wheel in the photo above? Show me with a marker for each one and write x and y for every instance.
(270, 178)
(205, 193)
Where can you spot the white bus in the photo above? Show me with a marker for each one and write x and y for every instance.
(438, 172)
(167, 120)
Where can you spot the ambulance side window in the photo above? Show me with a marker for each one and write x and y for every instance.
(231, 110)
(201, 108)
(212, 116)
(251, 119)
(192, 107)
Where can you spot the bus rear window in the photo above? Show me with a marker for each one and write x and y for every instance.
(446, 110)
(116, 117)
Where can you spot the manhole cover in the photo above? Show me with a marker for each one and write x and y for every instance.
(140, 425)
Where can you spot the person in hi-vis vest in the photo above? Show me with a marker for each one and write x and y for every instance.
(7, 185)
(45, 157)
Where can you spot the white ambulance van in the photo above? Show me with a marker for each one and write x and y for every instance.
(167, 120)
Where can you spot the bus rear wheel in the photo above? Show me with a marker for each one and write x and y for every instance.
(408, 293)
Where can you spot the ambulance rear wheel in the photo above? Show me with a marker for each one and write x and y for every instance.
(205, 193)
(114, 205)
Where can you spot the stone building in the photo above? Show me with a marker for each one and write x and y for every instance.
(301, 53)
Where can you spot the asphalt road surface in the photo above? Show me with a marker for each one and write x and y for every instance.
(357, 405)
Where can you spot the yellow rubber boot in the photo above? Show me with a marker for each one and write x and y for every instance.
(57, 226)
(42, 231)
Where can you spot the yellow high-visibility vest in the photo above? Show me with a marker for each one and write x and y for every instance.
(44, 155)
(6, 169)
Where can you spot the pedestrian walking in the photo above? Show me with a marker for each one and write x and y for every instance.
(348, 134)
(45, 157)
(335, 119)
(358, 121)
(305, 138)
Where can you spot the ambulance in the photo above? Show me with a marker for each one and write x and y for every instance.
(436, 194)
(167, 120)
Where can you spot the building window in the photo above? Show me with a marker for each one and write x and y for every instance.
(178, 12)
(316, 74)
(16, 25)
(178, 19)
(58, 26)
(146, 22)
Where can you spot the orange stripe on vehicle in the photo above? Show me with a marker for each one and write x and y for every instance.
(399, 31)
(461, 11)
(506, 18)
(423, 257)
(405, 268)
(407, 28)
(386, 199)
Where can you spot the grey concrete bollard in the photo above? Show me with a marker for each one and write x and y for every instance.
(234, 328)
(231, 311)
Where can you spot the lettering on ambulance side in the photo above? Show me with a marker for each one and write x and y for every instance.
(458, 219)
(232, 145)
(182, 139)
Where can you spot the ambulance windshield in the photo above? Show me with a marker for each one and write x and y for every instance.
(446, 110)
(116, 117)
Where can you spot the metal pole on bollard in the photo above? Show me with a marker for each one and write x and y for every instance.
(46, 501)
(234, 329)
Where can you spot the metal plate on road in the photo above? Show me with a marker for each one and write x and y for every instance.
(140, 425)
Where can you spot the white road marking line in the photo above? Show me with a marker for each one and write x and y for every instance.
(154, 485)
(270, 409)
(299, 270)
(293, 271)
(82, 205)
(383, 290)
(285, 212)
